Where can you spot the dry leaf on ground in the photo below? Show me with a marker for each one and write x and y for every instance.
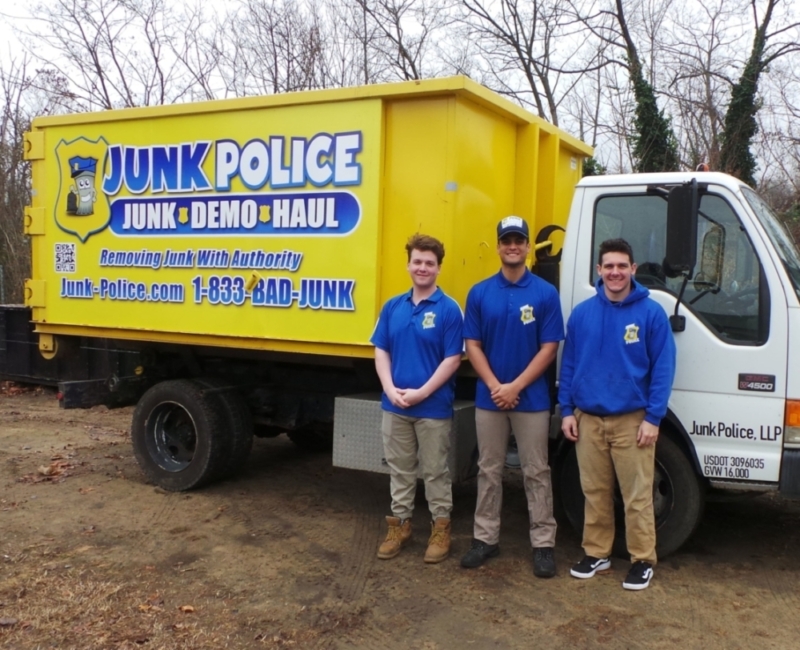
(56, 468)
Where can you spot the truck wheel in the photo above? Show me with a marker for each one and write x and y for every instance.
(568, 495)
(678, 498)
(238, 422)
(177, 435)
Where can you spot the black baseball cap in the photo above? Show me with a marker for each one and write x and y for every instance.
(513, 226)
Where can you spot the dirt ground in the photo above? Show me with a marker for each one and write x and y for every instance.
(283, 556)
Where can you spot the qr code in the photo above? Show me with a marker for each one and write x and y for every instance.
(65, 258)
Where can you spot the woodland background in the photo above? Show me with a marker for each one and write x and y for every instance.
(652, 84)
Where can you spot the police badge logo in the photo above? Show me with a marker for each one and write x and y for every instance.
(526, 314)
(427, 322)
(631, 333)
(81, 208)
(82, 195)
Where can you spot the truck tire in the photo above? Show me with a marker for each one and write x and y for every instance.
(678, 498)
(178, 435)
(238, 424)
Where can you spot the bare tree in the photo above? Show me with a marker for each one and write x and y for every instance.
(276, 46)
(530, 50)
(355, 52)
(23, 93)
(407, 31)
(769, 44)
(778, 142)
(197, 46)
(699, 55)
(654, 145)
(118, 53)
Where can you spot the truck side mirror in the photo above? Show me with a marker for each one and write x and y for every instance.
(682, 206)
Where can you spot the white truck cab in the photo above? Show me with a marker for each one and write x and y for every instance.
(724, 268)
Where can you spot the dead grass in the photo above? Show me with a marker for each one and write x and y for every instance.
(49, 600)
(53, 598)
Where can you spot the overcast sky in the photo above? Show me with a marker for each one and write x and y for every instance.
(10, 18)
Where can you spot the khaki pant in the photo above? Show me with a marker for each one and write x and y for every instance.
(531, 431)
(413, 444)
(607, 447)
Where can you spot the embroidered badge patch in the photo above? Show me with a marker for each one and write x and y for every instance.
(526, 314)
(427, 322)
(631, 333)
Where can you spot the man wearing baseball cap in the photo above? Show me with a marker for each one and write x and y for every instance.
(512, 327)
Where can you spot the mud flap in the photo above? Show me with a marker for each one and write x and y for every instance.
(790, 473)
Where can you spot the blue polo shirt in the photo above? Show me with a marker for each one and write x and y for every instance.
(418, 338)
(512, 320)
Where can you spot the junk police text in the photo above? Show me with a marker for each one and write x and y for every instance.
(321, 160)
(172, 189)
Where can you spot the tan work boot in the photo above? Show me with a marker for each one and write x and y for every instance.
(439, 543)
(397, 537)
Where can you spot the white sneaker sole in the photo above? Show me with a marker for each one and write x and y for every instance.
(603, 566)
(637, 586)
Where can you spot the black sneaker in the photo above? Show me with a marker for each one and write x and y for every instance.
(544, 562)
(589, 565)
(639, 576)
(478, 553)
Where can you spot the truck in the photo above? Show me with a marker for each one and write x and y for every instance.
(222, 264)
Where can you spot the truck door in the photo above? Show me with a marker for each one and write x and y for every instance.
(730, 385)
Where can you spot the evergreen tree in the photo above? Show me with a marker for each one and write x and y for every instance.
(592, 167)
(655, 147)
(740, 120)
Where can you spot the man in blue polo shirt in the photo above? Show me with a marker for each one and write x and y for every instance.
(513, 326)
(418, 346)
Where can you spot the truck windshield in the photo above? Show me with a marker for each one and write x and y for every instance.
(727, 290)
(781, 239)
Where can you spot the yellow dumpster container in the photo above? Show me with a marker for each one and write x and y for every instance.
(278, 223)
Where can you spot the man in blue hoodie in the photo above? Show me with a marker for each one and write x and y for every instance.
(617, 369)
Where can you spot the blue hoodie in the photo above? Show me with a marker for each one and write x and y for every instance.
(618, 357)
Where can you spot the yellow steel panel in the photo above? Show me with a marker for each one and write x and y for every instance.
(449, 173)
(527, 171)
(48, 347)
(569, 169)
(34, 221)
(34, 145)
(485, 161)
(446, 87)
(35, 295)
(415, 197)
(296, 348)
(546, 181)
(279, 223)
(160, 224)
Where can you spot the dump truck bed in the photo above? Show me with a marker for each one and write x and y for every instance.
(278, 223)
